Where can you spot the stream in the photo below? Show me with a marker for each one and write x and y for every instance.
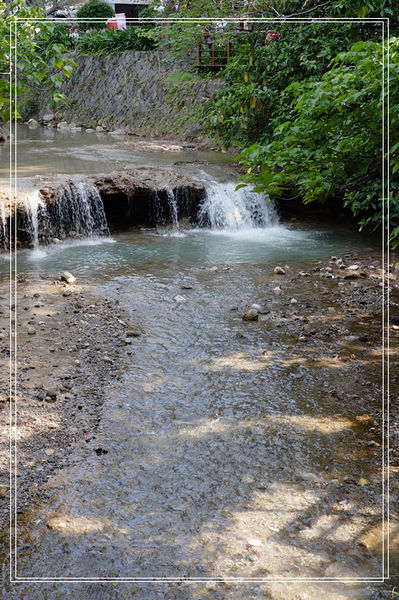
(225, 458)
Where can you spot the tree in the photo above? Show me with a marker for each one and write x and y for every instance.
(36, 66)
(331, 147)
(97, 10)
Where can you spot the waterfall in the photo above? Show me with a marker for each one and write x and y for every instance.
(224, 207)
(78, 209)
(36, 213)
(4, 227)
(173, 208)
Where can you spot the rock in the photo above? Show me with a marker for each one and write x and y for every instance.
(66, 294)
(76, 362)
(107, 359)
(3, 135)
(186, 286)
(99, 128)
(128, 341)
(355, 275)
(333, 258)
(49, 451)
(62, 125)
(3, 490)
(331, 309)
(279, 271)
(48, 116)
(256, 307)
(32, 124)
(68, 277)
(277, 290)
(353, 268)
(214, 269)
(31, 331)
(118, 132)
(50, 395)
(251, 315)
(180, 299)
(132, 333)
(56, 241)
(293, 301)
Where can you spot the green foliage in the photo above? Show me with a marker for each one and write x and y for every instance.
(95, 9)
(251, 103)
(331, 147)
(111, 42)
(36, 68)
(58, 34)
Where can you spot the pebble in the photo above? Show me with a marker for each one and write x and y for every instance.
(214, 269)
(128, 341)
(293, 301)
(353, 268)
(68, 277)
(256, 307)
(3, 490)
(50, 395)
(251, 315)
(279, 271)
(31, 331)
(49, 451)
(186, 286)
(131, 333)
(107, 359)
(277, 290)
(180, 299)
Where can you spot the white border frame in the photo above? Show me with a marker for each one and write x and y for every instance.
(14, 578)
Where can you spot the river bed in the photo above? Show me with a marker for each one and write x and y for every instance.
(229, 449)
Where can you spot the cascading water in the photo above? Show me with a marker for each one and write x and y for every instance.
(78, 208)
(36, 213)
(173, 209)
(224, 207)
(4, 225)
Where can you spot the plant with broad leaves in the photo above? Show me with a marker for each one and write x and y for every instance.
(36, 67)
(331, 147)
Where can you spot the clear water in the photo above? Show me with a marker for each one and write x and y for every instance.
(217, 432)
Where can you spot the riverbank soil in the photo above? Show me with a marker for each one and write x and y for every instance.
(130, 464)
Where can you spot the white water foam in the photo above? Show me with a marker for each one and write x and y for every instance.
(227, 209)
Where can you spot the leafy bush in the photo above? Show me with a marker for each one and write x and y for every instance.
(110, 42)
(95, 9)
(58, 34)
(332, 147)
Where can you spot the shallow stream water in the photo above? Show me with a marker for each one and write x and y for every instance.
(225, 457)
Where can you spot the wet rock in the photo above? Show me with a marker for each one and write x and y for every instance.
(68, 277)
(256, 307)
(100, 451)
(32, 124)
(279, 271)
(353, 268)
(134, 332)
(214, 269)
(186, 286)
(251, 315)
(56, 240)
(99, 128)
(277, 290)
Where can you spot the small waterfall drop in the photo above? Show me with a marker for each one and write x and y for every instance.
(4, 241)
(36, 213)
(224, 207)
(173, 209)
(78, 209)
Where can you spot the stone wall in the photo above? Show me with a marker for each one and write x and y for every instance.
(142, 92)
